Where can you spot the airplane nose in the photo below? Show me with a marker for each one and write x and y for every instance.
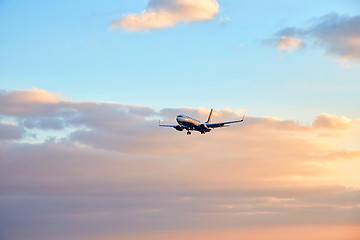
(179, 119)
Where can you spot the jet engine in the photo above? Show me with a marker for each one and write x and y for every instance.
(179, 128)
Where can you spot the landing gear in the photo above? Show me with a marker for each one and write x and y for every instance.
(202, 132)
(188, 133)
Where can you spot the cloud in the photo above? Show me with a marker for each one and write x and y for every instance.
(326, 121)
(286, 43)
(26, 102)
(295, 232)
(168, 13)
(339, 155)
(44, 123)
(114, 172)
(34, 95)
(338, 34)
(10, 131)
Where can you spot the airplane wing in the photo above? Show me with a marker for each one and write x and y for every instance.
(165, 125)
(161, 125)
(223, 124)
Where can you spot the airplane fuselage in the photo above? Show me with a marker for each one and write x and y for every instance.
(190, 123)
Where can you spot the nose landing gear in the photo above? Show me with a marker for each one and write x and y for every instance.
(188, 133)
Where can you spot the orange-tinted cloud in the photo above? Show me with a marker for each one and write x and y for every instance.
(295, 232)
(286, 43)
(161, 14)
(20, 102)
(115, 173)
(327, 121)
(34, 95)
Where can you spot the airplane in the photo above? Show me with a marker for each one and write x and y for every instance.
(192, 124)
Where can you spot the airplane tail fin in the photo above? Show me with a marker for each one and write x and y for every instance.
(210, 117)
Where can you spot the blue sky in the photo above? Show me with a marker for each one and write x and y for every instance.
(68, 47)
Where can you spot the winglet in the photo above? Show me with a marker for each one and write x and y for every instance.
(159, 122)
(243, 118)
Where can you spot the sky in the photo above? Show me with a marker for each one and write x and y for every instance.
(84, 83)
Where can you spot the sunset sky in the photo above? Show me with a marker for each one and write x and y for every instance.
(84, 83)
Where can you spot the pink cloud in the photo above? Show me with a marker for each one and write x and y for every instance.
(116, 171)
(10, 131)
(34, 95)
(23, 102)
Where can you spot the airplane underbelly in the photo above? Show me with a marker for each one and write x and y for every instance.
(189, 124)
(194, 126)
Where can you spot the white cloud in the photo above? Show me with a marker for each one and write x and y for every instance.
(168, 13)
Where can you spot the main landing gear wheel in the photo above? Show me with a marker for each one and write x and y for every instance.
(188, 133)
